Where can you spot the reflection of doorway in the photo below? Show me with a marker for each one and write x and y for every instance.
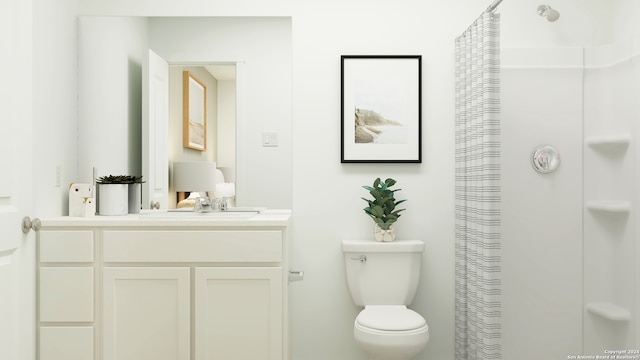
(226, 110)
(220, 80)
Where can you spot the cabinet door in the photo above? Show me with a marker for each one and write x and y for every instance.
(238, 313)
(146, 313)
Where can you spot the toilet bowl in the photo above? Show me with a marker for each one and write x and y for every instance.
(383, 279)
(390, 332)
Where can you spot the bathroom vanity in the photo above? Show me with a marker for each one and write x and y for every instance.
(164, 286)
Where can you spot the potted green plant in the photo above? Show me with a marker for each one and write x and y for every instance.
(382, 208)
(114, 194)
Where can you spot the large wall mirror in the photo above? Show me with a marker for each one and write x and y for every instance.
(246, 65)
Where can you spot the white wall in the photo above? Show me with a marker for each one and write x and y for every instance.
(226, 141)
(54, 44)
(111, 54)
(625, 20)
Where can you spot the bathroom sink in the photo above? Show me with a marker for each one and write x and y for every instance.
(240, 213)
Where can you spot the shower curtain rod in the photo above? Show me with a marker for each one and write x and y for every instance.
(493, 6)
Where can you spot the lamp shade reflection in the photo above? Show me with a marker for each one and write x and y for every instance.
(194, 176)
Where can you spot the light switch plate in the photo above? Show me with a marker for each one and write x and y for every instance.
(269, 139)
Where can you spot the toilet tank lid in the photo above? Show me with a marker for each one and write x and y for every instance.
(377, 246)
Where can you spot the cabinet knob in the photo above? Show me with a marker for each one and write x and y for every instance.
(28, 224)
(154, 205)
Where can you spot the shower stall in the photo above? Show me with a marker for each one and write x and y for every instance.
(570, 241)
(570, 279)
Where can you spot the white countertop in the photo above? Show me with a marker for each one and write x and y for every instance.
(155, 218)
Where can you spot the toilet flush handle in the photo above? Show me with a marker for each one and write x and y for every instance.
(295, 275)
(362, 258)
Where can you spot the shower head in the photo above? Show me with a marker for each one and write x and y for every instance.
(551, 14)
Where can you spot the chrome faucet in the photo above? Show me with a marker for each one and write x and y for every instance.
(203, 204)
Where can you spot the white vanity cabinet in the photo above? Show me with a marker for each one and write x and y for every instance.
(134, 288)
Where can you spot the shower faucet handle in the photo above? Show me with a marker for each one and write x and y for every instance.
(545, 159)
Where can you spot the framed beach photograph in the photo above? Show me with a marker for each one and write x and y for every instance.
(194, 110)
(381, 109)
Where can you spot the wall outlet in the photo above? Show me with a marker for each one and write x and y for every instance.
(58, 175)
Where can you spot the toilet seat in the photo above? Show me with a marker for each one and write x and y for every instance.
(390, 332)
(390, 318)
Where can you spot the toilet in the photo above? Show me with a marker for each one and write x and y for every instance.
(383, 278)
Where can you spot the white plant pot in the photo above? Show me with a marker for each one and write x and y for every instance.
(135, 194)
(113, 199)
(384, 235)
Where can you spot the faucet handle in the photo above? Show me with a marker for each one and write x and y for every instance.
(202, 204)
(219, 204)
(223, 204)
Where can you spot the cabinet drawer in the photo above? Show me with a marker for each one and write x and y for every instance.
(192, 246)
(66, 294)
(69, 343)
(66, 246)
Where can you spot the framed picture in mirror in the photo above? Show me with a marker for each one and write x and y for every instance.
(194, 109)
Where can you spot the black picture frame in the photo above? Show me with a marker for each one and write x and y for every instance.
(381, 109)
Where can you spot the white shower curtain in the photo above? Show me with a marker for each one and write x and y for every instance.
(478, 239)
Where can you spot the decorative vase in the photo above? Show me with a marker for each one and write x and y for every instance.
(135, 195)
(384, 235)
(113, 199)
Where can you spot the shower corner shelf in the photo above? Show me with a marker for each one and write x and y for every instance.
(609, 311)
(614, 207)
(615, 141)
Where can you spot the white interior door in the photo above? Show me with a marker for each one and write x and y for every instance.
(155, 125)
(10, 239)
(16, 260)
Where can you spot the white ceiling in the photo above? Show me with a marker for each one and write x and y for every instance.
(222, 72)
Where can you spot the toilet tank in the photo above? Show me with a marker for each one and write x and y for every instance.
(382, 273)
